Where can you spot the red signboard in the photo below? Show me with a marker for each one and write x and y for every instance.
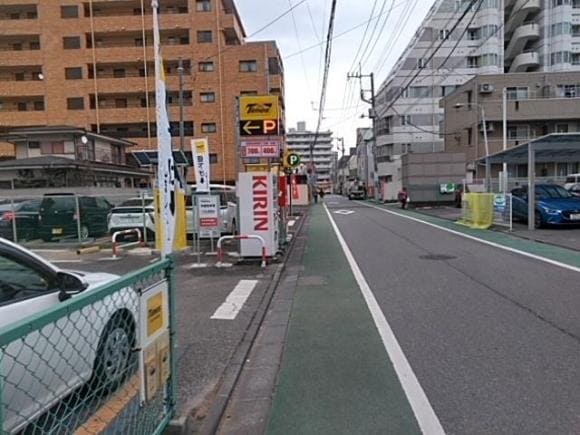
(267, 148)
(208, 222)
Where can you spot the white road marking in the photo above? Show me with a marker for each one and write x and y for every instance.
(291, 223)
(485, 242)
(64, 261)
(235, 300)
(344, 212)
(424, 413)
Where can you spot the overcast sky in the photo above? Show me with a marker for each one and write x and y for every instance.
(303, 74)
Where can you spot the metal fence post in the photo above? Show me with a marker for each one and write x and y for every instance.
(78, 212)
(172, 387)
(144, 217)
(14, 229)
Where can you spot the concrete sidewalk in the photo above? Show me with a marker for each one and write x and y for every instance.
(318, 365)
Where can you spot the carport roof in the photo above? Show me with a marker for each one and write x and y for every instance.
(556, 147)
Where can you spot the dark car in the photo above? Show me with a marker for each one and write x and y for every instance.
(357, 191)
(22, 216)
(58, 216)
(554, 205)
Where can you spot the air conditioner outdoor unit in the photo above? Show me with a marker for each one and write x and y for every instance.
(485, 88)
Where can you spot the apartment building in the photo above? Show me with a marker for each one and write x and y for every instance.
(538, 104)
(89, 64)
(496, 37)
(299, 140)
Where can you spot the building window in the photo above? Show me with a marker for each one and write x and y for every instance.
(19, 76)
(248, 66)
(34, 45)
(560, 57)
(33, 145)
(469, 134)
(52, 148)
(561, 128)
(75, 103)
(517, 93)
(422, 63)
(273, 66)
(71, 42)
(568, 91)
(444, 34)
(207, 97)
(74, 73)
(556, 3)
(405, 120)
(118, 73)
(206, 66)
(248, 93)
(39, 106)
(204, 36)
(120, 103)
(213, 158)
(472, 61)
(203, 5)
(69, 11)
(208, 127)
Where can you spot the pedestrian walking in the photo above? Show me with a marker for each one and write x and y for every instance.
(403, 197)
(315, 195)
(321, 194)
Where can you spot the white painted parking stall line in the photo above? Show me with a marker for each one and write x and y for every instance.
(426, 418)
(291, 223)
(65, 261)
(235, 300)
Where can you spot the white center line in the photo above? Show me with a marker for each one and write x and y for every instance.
(235, 300)
(424, 413)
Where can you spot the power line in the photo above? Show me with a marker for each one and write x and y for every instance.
(385, 21)
(327, 58)
(308, 88)
(345, 32)
(364, 36)
(376, 24)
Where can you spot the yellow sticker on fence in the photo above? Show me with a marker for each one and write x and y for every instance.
(154, 314)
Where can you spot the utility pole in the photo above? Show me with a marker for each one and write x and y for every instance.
(181, 127)
(373, 116)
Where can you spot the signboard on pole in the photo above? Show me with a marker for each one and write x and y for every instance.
(257, 108)
(268, 148)
(200, 154)
(502, 209)
(208, 215)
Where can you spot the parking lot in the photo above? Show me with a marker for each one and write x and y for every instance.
(205, 345)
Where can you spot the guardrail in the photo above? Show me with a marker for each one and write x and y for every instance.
(220, 251)
(116, 246)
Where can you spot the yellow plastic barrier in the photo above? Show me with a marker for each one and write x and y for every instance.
(477, 210)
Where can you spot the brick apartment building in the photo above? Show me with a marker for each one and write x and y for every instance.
(88, 64)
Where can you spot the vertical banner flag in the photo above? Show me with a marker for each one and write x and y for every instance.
(166, 168)
(200, 154)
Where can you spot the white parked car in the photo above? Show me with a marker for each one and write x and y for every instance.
(131, 214)
(228, 209)
(93, 346)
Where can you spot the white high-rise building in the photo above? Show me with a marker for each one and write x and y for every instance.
(299, 140)
(538, 35)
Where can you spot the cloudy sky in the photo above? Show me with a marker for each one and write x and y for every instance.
(393, 25)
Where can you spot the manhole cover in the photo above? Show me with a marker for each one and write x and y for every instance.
(437, 257)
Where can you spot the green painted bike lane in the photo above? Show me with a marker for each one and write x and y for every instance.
(551, 252)
(336, 376)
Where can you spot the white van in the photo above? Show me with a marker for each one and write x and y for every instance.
(571, 179)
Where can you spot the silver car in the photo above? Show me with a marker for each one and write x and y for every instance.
(91, 345)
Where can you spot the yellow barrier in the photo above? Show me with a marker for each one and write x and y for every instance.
(477, 210)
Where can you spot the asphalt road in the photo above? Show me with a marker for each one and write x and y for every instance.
(492, 336)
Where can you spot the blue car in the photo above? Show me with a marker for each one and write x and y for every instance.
(554, 205)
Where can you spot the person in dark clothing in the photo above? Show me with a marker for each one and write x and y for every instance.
(321, 194)
(364, 187)
(403, 197)
(315, 195)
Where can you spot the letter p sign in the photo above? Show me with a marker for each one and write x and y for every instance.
(292, 160)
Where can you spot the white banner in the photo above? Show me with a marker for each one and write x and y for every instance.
(200, 155)
(166, 165)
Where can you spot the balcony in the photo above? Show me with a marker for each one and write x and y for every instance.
(21, 88)
(134, 23)
(233, 32)
(129, 8)
(523, 34)
(522, 10)
(526, 61)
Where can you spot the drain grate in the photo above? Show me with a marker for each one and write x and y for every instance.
(437, 257)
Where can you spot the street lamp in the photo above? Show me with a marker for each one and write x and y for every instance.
(486, 144)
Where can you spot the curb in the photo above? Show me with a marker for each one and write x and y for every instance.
(230, 376)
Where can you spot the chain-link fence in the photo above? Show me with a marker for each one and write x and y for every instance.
(76, 219)
(88, 360)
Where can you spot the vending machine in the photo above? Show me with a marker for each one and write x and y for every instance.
(258, 209)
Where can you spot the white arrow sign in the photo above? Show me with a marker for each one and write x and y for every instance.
(344, 212)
